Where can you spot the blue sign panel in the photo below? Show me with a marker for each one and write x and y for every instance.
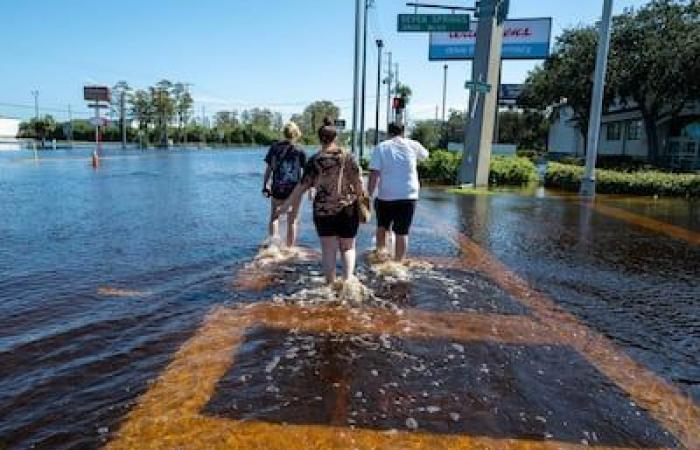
(522, 39)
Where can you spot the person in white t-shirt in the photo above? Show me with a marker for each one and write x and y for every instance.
(394, 168)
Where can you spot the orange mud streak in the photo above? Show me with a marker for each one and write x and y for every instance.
(169, 416)
(668, 405)
(647, 222)
(598, 205)
(411, 324)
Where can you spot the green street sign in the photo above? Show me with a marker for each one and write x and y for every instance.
(424, 23)
(478, 86)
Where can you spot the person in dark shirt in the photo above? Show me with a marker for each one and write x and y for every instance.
(285, 164)
(337, 179)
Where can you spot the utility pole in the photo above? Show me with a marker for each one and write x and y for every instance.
(356, 107)
(588, 180)
(444, 104)
(363, 94)
(70, 126)
(389, 80)
(497, 113)
(35, 93)
(122, 116)
(478, 137)
(397, 116)
(380, 46)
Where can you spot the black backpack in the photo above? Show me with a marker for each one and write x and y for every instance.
(286, 171)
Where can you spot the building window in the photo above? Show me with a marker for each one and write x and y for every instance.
(613, 131)
(634, 130)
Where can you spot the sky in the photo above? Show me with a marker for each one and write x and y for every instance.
(236, 54)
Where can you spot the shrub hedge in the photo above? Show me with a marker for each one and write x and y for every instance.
(442, 167)
(568, 177)
(512, 170)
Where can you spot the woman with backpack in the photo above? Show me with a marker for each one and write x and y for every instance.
(285, 164)
(337, 206)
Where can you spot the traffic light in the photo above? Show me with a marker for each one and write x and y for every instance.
(399, 103)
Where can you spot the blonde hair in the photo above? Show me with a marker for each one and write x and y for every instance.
(291, 131)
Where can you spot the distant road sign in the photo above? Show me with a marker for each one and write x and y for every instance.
(97, 93)
(422, 23)
(522, 39)
(478, 86)
(340, 124)
(508, 93)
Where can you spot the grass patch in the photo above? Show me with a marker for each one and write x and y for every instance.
(472, 191)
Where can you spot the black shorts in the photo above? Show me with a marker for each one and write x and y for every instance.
(343, 224)
(395, 215)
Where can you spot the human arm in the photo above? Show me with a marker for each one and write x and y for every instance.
(294, 197)
(375, 170)
(266, 179)
(374, 176)
(421, 152)
(269, 157)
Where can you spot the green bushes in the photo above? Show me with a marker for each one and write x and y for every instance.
(568, 177)
(511, 170)
(443, 168)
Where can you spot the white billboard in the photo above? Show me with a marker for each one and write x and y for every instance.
(522, 39)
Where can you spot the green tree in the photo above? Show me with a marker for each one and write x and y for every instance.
(311, 119)
(656, 58)
(119, 91)
(183, 106)
(164, 108)
(528, 129)
(455, 126)
(428, 133)
(142, 109)
(40, 128)
(226, 123)
(403, 91)
(567, 76)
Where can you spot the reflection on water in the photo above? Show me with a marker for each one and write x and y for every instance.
(135, 297)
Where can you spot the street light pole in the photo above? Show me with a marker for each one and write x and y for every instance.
(363, 94)
(444, 104)
(588, 180)
(356, 107)
(389, 80)
(35, 93)
(380, 46)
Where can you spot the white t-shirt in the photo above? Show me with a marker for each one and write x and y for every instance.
(396, 161)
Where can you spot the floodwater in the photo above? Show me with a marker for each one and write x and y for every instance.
(138, 312)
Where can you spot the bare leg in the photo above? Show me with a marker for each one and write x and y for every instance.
(401, 247)
(329, 247)
(347, 256)
(381, 238)
(273, 226)
(292, 220)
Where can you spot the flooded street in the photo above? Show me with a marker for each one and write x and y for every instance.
(138, 312)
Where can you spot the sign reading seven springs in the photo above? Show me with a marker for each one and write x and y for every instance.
(433, 22)
(522, 39)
